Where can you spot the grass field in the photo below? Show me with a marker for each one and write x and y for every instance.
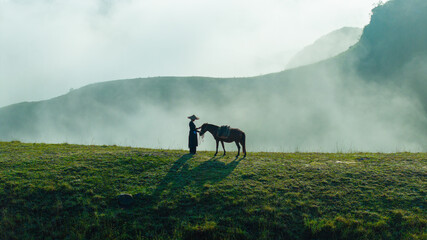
(68, 191)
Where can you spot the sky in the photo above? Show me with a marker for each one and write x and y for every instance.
(48, 47)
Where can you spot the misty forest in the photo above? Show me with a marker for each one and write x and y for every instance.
(335, 147)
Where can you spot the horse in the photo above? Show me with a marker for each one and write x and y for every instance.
(236, 135)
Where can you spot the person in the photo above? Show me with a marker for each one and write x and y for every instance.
(192, 137)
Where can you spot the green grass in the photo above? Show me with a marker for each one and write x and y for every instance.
(68, 191)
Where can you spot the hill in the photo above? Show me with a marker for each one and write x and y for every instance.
(327, 46)
(71, 191)
(369, 98)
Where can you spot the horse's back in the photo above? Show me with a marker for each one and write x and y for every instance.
(236, 130)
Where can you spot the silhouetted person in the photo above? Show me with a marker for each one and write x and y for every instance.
(192, 136)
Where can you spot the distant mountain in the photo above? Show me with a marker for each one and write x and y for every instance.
(369, 98)
(327, 46)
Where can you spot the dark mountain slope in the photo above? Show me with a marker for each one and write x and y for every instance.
(393, 48)
(396, 35)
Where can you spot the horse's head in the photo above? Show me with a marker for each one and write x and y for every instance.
(203, 129)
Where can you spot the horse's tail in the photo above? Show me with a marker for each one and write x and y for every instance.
(244, 142)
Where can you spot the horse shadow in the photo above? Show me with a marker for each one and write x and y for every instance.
(181, 176)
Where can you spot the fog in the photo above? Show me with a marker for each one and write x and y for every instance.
(321, 108)
(370, 98)
(49, 47)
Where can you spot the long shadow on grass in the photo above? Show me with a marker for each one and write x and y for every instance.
(180, 176)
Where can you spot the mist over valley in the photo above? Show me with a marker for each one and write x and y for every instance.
(371, 97)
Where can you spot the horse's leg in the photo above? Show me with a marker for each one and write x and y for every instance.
(216, 148)
(238, 148)
(222, 143)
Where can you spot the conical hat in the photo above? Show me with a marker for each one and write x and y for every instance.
(193, 117)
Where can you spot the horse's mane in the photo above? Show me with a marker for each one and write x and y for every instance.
(211, 125)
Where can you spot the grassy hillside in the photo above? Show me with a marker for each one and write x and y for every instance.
(70, 192)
